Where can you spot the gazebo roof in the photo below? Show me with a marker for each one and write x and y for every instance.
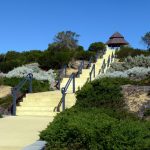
(117, 39)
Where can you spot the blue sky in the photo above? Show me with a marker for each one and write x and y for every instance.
(32, 24)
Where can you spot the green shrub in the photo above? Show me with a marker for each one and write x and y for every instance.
(37, 86)
(98, 121)
(92, 129)
(5, 67)
(97, 47)
(147, 112)
(55, 60)
(6, 102)
(102, 92)
(128, 51)
(84, 55)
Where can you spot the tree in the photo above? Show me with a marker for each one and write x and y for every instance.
(97, 47)
(66, 39)
(146, 39)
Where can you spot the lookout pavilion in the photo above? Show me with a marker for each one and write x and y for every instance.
(116, 41)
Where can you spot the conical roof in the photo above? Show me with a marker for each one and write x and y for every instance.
(116, 35)
(117, 39)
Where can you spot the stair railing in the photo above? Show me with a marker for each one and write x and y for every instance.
(103, 67)
(90, 62)
(92, 72)
(108, 61)
(64, 90)
(61, 74)
(81, 66)
(17, 88)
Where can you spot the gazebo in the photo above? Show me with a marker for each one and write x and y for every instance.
(116, 41)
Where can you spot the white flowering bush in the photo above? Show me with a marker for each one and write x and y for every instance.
(38, 74)
(131, 62)
(136, 72)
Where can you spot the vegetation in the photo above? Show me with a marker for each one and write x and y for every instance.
(66, 39)
(13, 59)
(147, 112)
(97, 47)
(98, 121)
(6, 102)
(128, 51)
(146, 39)
(38, 86)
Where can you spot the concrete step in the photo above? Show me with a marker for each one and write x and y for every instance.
(38, 99)
(36, 113)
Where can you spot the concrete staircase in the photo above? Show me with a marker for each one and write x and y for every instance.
(44, 103)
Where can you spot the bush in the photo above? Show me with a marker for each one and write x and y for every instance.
(134, 73)
(84, 55)
(147, 112)
(55, 60)
(6, 102)
(102, 92)
(8, 65)
(13, 59)
(38, 74)
(98, 121)
(38, 86)
(128, 51)
(92, 129)
(129, 63)
(97, 47)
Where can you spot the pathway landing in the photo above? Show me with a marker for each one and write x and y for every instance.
(18, 132)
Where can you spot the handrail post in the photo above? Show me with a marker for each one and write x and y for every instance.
(63, 102)
(30, 83)
(73, 83)
(65, 70)
(14, 95)
(90, 77)
(94, 70)
(63, 98)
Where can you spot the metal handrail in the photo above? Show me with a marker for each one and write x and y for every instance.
(61, 74)
(89, 63)
(92, 72)
(64, 90)
(108, 61)
(17, 88)
(103, 67)
(81, 66)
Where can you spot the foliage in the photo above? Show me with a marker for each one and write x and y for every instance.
(94, 129)
(146, 39)
(147, 112)
(38, 74)
(55, 59)
(100, 92)
(98, 121)
(13, 59)
(66, 39)
(38, 86)
(97, 47)
(136, 73)
(6, 102)
(130, 62)
(128, 51)
(84, 55)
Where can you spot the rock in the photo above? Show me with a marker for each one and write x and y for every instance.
(136, 98)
